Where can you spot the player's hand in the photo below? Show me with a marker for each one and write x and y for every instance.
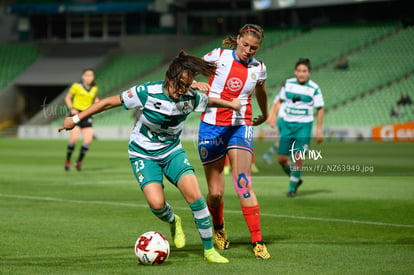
(67, 124)
(235, 104)
(271, 121)
(259, 120)
(319, 137)
(73, 112)
(202, 86)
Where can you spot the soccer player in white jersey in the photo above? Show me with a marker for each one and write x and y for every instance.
(300, 96)
(155, 148)
(225, 131)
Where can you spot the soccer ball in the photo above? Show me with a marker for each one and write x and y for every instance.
(152, 248)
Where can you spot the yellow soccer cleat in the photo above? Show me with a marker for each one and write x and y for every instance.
(220, 237)
(255, 169)
(260, 251)
(227, 170)
(212, 256)
(177, 233)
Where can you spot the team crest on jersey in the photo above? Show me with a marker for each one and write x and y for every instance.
(234, 84)
(130, 94)
(253, 76)
(185, 107)
(204, 152)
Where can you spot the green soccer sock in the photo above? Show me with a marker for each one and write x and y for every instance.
(166, 214)
(294, 180)
(286, 170)
(271, 151)
(203, 222)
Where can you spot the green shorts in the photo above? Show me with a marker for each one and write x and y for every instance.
(294, 136)
(173, 167)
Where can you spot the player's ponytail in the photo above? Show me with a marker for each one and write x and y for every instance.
(190, 64)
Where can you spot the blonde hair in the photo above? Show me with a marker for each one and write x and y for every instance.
(249, 29)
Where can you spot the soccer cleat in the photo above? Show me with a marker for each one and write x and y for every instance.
(177, 233)
(291, 194)
(67, 165)
(297, 186)
(213, 256)
(220, 237)
(255, 169)
(267, 159)
(260, 251)
(78, 165)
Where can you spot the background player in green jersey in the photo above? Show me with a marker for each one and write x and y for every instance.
(300, 95)
(155, 148)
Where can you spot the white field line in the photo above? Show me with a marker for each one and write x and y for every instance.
(23, 197)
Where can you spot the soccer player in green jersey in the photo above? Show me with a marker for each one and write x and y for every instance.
(300, 96)
(155, 148)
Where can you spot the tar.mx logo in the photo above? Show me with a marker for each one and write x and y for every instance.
(298, 154)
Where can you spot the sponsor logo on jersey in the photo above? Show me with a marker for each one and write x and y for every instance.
(234, 84)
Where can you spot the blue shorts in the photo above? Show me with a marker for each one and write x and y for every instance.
(214, 141)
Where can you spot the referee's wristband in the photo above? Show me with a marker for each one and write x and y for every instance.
(76, 119)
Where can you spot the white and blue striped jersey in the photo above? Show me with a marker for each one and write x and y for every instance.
(160, 120)
(300, 100)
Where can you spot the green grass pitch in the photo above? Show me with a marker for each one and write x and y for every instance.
(343, 221)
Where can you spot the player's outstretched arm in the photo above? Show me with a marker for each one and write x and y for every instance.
(102, 105)
(221, 103)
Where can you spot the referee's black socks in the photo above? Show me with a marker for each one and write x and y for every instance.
(83, 151)
(69, 151)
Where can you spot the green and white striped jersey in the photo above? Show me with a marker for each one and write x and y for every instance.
(160, 120)
(300, 99)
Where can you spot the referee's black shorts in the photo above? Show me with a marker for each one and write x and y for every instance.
(84, 123)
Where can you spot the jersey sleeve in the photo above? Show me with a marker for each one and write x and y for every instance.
(262, 74)
(318, 99)
(73, 89)
(132, 98)
(276, 99)
(212, 56)
(201, 102)
(282, 93)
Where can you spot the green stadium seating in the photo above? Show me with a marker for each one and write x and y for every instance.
(370, 68)
(321, 45)
(14, 60)
(116, 74)
(374, 109)
(122, 69)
